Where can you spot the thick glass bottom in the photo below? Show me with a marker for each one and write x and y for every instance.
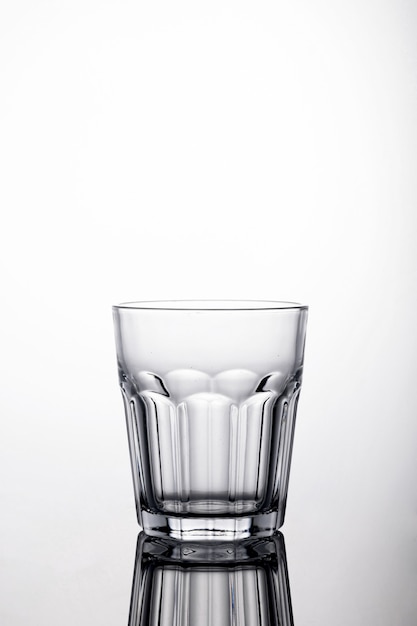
(211, 528)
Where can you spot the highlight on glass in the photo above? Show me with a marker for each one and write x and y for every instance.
(210, 391)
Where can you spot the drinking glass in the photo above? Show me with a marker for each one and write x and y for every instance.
(210, 391)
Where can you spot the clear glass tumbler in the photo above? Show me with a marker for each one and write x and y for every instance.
(210, 391)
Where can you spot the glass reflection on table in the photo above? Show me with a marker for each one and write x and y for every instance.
(210, 584)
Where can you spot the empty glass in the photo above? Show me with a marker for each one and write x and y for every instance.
(210, 391)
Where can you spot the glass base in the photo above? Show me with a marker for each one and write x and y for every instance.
(210, 528)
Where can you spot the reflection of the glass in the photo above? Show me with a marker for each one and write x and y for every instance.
(213, 584)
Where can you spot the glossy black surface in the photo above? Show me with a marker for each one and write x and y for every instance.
(84, 572)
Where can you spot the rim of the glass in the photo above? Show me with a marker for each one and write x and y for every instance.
(219, 305)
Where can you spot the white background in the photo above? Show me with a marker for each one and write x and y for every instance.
(223, 149)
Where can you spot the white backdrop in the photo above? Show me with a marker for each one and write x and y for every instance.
(225, 149)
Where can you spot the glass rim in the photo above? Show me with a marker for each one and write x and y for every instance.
(211, 305)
